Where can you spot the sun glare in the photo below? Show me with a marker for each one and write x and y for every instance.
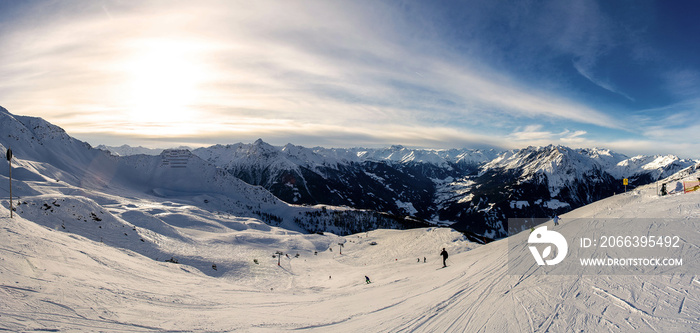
(164, 78)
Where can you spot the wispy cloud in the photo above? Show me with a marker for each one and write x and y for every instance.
(357, 73)
(267, 57)
(534, 134)
(683, 83)
(587, 72)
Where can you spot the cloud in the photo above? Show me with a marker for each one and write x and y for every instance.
(682, 83)
(587, 72)
(649, 147)
(535, 135)
(531, 133)
(684, 143)
(347, 73)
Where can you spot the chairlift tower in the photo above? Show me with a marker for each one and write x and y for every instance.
(279, 257)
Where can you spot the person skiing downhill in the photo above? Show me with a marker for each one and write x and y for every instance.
(444, 257)
(556, 220)
(367, 280)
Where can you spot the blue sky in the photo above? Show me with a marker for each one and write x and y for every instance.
(623, 75)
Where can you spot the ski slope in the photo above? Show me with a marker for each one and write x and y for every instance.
(64, 269)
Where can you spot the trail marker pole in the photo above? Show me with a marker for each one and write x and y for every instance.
(625, 182)
(9, 160)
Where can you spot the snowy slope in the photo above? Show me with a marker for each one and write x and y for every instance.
(87, 250)
(52, 279)
(656, 167)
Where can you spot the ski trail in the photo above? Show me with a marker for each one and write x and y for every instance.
(625, 305)
(680, 309)
(547, 323)
(527, 312)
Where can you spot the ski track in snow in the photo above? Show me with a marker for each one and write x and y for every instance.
(53, 280)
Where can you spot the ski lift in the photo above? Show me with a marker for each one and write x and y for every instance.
(279, 257)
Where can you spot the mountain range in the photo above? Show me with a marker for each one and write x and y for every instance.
(46, 157)
(340, 190)
(171, 242)
(470, 190)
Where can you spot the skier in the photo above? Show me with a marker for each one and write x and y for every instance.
(444, 257)
(556, 220)
(367, 280)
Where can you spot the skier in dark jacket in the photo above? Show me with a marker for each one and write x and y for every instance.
(444, 257)
(556, 219)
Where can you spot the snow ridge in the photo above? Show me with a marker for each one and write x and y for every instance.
(293, 156)
(562, 166)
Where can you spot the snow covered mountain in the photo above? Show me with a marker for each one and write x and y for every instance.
(173, 243)
(126, 150)
(45, 157)
(474, 189)
(395, 180)
(545, 181)
(78, 261)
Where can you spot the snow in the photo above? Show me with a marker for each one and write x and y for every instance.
(636, 165)
(450, 188)
(293, 157)
(126, 150)
(555, 204)
(562, 166)
(407, 207)
(87, 247)
(519, 204)
(66, 280)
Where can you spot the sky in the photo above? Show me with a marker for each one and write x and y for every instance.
(622, 75)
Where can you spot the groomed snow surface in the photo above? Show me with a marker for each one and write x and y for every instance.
(91, 263)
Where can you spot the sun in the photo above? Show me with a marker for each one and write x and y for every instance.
(164, 79)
